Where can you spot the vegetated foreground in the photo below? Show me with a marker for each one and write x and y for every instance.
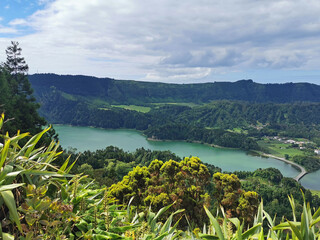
(166, 200)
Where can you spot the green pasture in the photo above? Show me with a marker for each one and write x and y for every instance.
(134, 108)
(279, 149)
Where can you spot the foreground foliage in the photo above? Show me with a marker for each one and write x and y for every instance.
(41, 201)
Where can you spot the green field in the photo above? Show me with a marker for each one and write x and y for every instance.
(134, 108)
(279, 149)
(178, 103)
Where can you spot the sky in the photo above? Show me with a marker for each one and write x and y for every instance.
(181, 41)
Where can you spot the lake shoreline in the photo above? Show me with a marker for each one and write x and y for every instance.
(133, 143)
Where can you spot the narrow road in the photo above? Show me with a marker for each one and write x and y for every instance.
(302, 169)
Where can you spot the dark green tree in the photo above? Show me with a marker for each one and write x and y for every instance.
(17, 101)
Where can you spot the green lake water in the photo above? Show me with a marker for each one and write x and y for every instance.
(87, 138)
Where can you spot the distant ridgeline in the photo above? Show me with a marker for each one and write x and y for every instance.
(204, 112)
(129, 92)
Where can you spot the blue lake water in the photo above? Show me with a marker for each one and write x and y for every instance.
(88, 138)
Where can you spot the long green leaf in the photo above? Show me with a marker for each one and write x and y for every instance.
(251, 231)
(10, 203)
(46, 173)
(215, 224)
(208, 237)
(162, 236)
(316, 214)
(315, 221)
(30, 145)
(168, 228)
(64, 165)
(160, 212)
(261, 236)
(7, 236)
(35, 140)
(304, 229)
(5, 171)
(285, 225)
(166, 225)
(295, 230)
(10, 186)
(293, 206)
(4, 152)
(174, 226)
(1, 120)
(71, 166)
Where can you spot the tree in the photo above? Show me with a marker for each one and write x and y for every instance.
(18, 102)
(18, 68)
(235, 201)
(15, 63)
(162, 183)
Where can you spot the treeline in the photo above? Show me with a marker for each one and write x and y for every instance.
(211, 136)
(227, 114)
(274, 189)
(111, 164)
(310, 163)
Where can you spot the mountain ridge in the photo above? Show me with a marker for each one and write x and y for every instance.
(130, 91)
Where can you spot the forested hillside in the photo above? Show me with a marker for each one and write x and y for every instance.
(129, 92)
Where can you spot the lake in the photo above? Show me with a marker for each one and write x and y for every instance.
(88, 138)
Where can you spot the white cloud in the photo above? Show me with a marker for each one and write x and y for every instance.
(18, 21)
(7, 30)
(159, 40)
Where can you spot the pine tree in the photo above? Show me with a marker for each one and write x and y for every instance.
(19, 103)
(18, 68)
(15, 64)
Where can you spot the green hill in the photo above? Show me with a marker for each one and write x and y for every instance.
(136, 92)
